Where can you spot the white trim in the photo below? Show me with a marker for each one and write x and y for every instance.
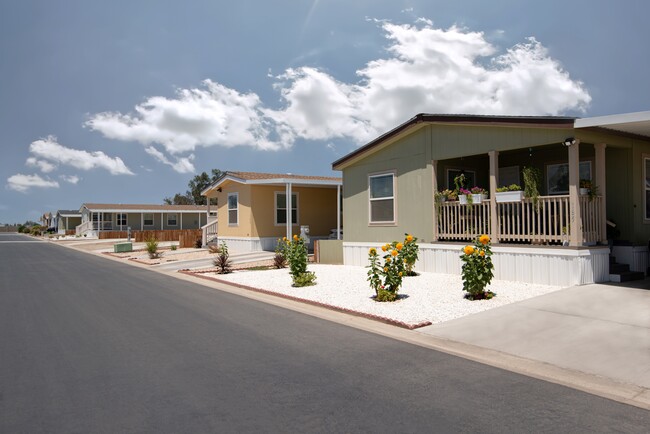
(393, 174)
(236, 194)
(117, 219)
(279, 181)
(286, 203)
(609, 120)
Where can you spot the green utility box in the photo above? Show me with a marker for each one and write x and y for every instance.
(122, 247)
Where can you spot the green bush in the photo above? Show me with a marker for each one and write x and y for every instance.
(152, 248)
(477, 269)
(173, 247)
(222, 261)
(409, 253)
(296, 254)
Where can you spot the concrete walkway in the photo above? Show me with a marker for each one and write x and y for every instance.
(596, 329)
(235, 258)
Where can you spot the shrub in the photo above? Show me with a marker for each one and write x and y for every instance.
(280, 258)
(198, 243)
(222, 261)
(296, 255)
(409, 253)
(477, 269)
(173, 247)
(152, 248)
(386, 278)
(21, 229)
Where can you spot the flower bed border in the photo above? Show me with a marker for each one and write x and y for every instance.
(408, 326)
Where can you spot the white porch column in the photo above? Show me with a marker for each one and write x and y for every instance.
(494, 180)
(289, 205)
(575, 238)
(141, 221)
(601, 182)
(434, 183)
(207, 214)
(181, 219)
(338, 212)
(162, 220)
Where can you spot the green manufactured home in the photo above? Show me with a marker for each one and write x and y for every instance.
(390, 184)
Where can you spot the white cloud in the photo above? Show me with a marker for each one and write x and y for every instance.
(23, 183)
(72, 179)
(425, 69)
(48, 149)
(43, 165)
(182, 165)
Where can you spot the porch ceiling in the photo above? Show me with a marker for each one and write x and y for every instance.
(633, 123)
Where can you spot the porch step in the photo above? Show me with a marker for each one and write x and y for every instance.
(616, 268)
(626, 276)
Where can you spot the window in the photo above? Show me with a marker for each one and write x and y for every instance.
(557, 176)
(646, 186)
(281, 208)
(121, 219)
(382, 198)
(148, 219)
(172, 219)
(233, 209)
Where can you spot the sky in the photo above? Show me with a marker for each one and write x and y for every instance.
(125, 101)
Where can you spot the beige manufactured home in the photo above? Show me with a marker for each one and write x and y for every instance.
(255, 209)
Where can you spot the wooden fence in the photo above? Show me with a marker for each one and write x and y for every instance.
(185, 237)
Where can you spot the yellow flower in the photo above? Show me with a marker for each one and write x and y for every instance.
(481, 253)
(284, 238)
(388, 260)
(373, 251)
(409, 238)
(484, 239)
(384, 248)
(400, 274)
(468, 250)
(385, 269)
(393, 252)
(399, 246)
(295, 237)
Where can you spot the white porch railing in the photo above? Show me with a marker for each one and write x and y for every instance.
(463, 222)
(83, 228)
(209, 231)
(546, 222)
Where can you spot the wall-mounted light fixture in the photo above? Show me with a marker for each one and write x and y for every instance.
(570, 141)
(219, 189)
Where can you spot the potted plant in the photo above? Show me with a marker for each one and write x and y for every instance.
(478, 194)
(451, 195)
(465, 197)
(509, 193)
(585, 187)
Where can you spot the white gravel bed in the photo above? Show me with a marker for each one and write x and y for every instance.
(431, 297)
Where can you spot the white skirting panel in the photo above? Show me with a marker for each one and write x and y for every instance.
(246, 244)
(560, 266)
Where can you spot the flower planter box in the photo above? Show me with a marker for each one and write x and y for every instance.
(509, 196)
(584, 191)
(476, 198)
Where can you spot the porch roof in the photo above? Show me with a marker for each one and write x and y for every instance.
(126, 208)
(631, 123)
(257, 178)
(422, 119)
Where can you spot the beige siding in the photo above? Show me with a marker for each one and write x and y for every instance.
(244, 228)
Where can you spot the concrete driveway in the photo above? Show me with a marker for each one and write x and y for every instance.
(596, 329)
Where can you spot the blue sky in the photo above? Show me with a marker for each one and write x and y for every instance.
(125, 101)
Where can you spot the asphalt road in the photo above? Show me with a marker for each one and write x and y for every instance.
(91, 345)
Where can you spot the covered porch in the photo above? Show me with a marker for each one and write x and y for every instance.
(560, 215)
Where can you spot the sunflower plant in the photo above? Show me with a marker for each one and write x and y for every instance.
(477, 269)
(409, 253)
(296, 254)
(386, 271)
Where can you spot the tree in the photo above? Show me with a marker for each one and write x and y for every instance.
(196, 186)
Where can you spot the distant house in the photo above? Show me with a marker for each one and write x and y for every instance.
(390, 186)
(48, 221)
(66, 221)
(255, 209)
(96, 217)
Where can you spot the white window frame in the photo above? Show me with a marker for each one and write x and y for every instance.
(144, 219)
(169, 215)
(393, 222)
(275, 208)
(646, 188)
(228, 209)
(118, 218)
